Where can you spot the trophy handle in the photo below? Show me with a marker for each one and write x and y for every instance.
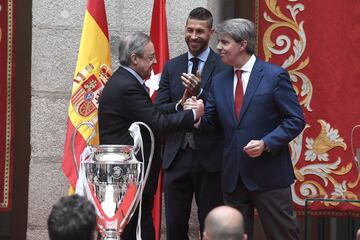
(151, 152)
(134, 130)
(89, 125)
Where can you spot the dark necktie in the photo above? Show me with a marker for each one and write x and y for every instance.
(239, 94)
(195, 65)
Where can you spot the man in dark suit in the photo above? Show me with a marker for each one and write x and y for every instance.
(125, 100)
(192, 161)
(255, 103)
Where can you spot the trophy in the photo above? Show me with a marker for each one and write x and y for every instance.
(113, 179)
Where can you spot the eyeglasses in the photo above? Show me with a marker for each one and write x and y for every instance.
(151, 58)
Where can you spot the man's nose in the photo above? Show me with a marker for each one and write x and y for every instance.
(194, 35)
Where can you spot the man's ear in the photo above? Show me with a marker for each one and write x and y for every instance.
(243, 44)
(134, 59)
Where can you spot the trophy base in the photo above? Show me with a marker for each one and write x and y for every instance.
(109, 234)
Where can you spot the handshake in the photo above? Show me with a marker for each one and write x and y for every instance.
(196, 105)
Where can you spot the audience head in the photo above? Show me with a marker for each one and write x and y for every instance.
(224, 223)
(72, 218)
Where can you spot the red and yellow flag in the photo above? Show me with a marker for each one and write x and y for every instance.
(93, 69)
(159, 37)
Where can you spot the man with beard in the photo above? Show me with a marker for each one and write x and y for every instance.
(192, 160)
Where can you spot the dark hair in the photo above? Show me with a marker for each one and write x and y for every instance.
(72, 218)
(201, 13)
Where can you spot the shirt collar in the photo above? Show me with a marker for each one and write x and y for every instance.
(248, 66)
(135, 74)
(202, 56)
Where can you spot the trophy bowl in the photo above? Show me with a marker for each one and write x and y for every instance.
(113, 176)
(113, 179)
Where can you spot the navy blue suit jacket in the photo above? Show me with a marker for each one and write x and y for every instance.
(271, 112)
(208, 144)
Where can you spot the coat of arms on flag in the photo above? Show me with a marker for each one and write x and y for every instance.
(85, 99)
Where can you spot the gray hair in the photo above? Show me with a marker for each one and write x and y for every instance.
(132, 44)
(239, 29)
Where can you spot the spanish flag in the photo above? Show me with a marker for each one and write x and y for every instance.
(92, 72)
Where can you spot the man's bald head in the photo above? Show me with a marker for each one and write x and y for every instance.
(225, 223)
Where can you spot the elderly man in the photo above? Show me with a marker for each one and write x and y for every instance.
(125, 100)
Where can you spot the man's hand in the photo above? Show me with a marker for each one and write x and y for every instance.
(255, 148)
(190, 103)
(192, 83)
(185, 96)
(197, 105)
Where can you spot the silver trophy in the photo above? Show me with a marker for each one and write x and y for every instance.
(113, 179)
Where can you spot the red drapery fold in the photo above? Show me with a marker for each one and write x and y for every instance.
(159, 36)
(317, 42)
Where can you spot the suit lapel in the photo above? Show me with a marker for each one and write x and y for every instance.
(255, 78)
(208, 68)
(182, 68)
(229, 91)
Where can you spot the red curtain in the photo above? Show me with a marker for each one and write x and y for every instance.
(318, 43)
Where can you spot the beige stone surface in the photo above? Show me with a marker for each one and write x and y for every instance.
(56, 33)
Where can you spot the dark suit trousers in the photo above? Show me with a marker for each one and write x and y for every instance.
(182, 180)
(275, 209)
(147, 226)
